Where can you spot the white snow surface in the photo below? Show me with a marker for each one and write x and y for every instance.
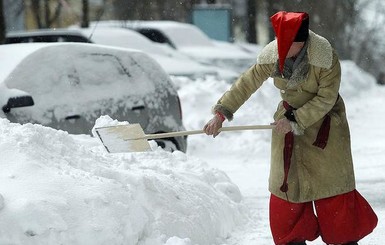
(57, 188)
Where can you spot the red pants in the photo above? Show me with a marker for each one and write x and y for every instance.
(340, 219)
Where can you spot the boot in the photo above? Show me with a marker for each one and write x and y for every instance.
(300, 243)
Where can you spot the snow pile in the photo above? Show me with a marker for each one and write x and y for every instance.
(354, 80)
(59, 188)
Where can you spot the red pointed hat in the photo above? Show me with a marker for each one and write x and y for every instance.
(289, 27)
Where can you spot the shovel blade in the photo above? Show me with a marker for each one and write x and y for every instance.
(123, 138)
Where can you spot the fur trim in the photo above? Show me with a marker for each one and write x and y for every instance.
(221, 109)
(269, 54)
(320, 52)
(297, 130)
(299, 71)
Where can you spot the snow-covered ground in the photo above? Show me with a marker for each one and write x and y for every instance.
(57, 188)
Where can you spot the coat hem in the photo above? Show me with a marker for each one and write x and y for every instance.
(283, 196)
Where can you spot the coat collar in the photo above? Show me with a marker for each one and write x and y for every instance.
(320, 52)
(295, 72)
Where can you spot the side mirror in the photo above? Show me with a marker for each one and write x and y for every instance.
(19, 101)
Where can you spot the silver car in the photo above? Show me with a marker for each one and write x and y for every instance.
(68, 86)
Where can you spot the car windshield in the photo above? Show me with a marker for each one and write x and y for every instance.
(87, 75)
(177, 35)
(123, 38)
(62, 73)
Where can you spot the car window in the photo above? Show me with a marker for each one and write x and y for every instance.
(155, 36)
(9, 40)
(177, 35)
(46, 39)
(73, 38)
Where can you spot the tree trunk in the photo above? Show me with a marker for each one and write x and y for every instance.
(35, 6)
(47, 13)
(85, 18)
(251, 21)
(2, 23)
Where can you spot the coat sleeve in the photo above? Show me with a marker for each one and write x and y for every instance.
(326, 97)
(242, 89)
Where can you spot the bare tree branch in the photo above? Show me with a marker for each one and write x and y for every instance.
(85, 20)
(55, 16)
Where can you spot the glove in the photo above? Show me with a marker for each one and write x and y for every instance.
(212, 126)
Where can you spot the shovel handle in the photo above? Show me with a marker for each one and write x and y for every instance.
(191, 132)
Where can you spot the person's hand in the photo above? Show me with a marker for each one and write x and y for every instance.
(282, 126)
(212, 126)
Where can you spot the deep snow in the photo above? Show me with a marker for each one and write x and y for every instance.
(57, 188)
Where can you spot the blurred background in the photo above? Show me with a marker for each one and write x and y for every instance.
(354, 27)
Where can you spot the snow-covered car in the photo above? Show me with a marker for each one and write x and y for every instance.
(45, 35)
(68, 86)
(191, 41)
(173, 62)
(252, 48)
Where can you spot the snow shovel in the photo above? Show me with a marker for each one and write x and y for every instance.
(131, 137)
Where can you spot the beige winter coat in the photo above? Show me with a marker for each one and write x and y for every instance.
(315, 173)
